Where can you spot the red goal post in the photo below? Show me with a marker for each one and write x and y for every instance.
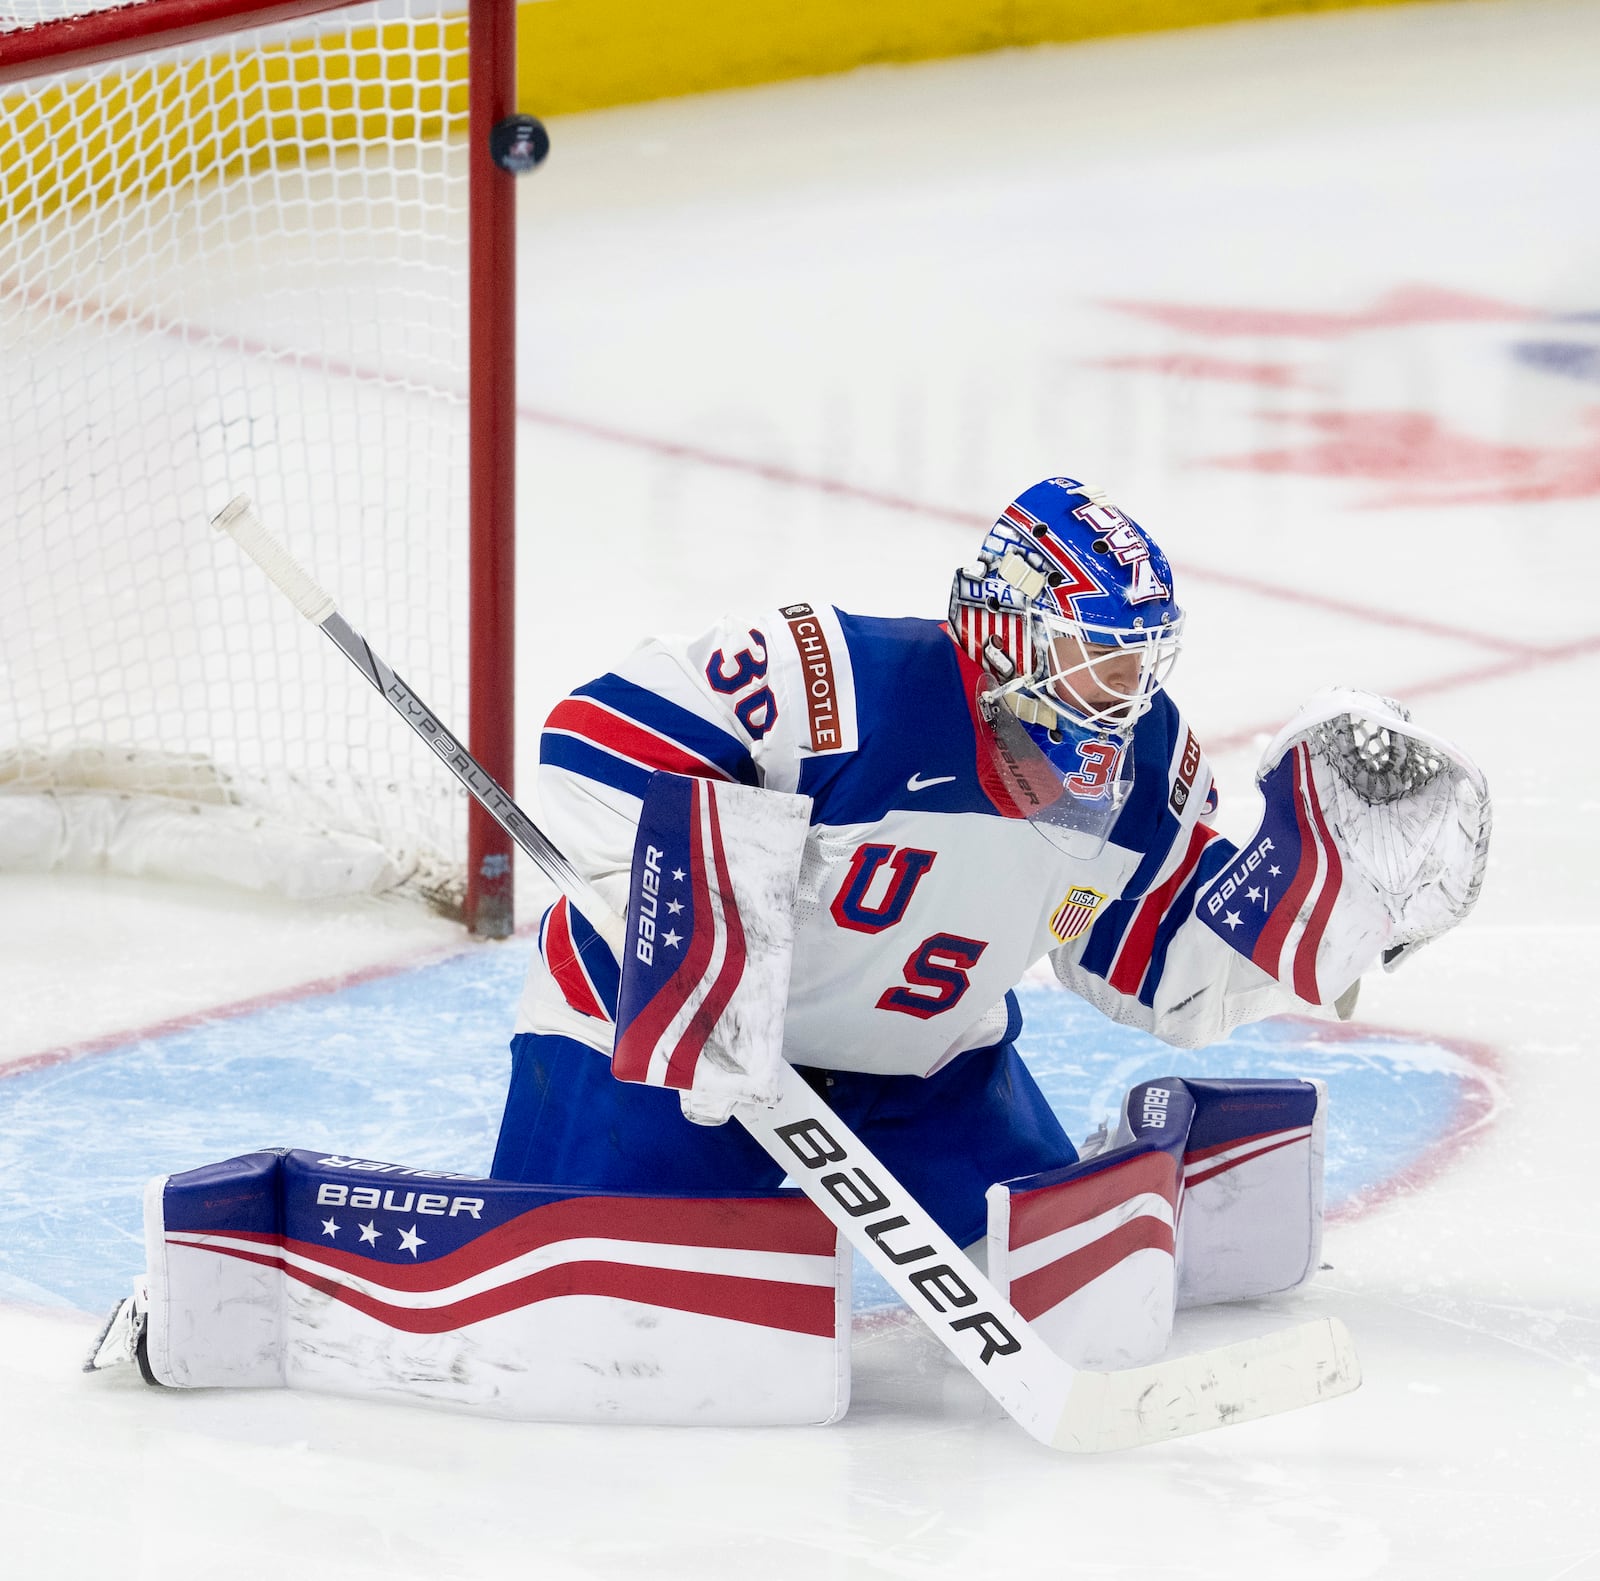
(257, 246)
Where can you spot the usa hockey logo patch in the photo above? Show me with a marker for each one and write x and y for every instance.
(1072, 917)
(685, 946)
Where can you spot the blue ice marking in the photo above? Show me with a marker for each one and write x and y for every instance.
(1574, 359)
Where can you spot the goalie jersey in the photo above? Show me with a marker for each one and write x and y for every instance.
(924, 895)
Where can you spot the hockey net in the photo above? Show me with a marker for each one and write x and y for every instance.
(234, 262)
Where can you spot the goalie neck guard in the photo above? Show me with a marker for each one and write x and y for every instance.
(1069, 607)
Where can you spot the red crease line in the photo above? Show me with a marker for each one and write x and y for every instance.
(64, 1052)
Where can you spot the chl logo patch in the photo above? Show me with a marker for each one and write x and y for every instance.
(1072, 917)
(1188, 767)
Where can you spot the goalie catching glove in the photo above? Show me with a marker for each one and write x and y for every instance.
(1411, 807)
(1374, 840)
(709, 942)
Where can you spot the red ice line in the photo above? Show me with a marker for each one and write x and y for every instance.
(103, 1044)
(972, 521)
(770, 472)
(1532, 659)
(1401, 308)
(1477, 1105)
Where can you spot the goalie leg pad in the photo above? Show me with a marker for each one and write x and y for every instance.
(1087, 1253)
(1252, 1189)
(290, 1269)
(1210, 1191)
(945, 1137)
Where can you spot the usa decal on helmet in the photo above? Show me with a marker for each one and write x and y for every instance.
(1074, 580)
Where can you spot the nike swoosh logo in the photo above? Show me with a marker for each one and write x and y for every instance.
(916, 782)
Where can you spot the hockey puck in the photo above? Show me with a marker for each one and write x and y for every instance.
(519, 144)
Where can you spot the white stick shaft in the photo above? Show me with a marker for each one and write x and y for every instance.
(901, 1240)
(1078, 1411)
(480, 784)
(238, 519)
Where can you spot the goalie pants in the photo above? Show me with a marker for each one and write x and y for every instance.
(947, 1137)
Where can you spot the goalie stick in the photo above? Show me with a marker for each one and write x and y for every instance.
(1060, 1405)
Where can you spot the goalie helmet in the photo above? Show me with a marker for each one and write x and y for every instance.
(1069, 607)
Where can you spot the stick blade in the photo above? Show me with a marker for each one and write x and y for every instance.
(1296, 1366)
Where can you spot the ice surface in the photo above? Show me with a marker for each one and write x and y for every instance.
(1317, 299)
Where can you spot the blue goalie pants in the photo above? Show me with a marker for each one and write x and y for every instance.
(947, 1137)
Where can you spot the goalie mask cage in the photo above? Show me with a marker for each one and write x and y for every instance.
(237, 254)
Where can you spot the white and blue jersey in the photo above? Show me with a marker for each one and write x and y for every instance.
(924, 895)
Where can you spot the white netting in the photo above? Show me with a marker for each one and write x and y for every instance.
(235, 267)
(24, 13)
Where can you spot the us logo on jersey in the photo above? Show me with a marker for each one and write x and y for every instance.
(1075, 913)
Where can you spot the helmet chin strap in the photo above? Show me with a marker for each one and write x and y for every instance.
(1010, 689)
(1029, 709)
